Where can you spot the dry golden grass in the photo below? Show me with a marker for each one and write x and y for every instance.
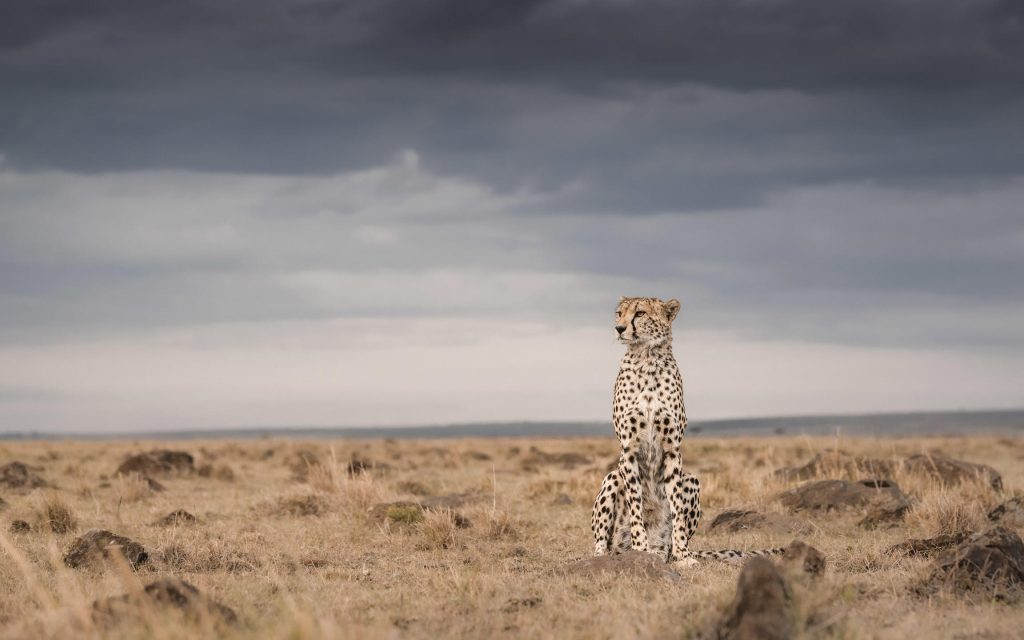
(284, 536)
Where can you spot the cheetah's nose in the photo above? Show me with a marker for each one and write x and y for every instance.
(620, 328)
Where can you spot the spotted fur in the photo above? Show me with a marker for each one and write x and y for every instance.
(648, 502)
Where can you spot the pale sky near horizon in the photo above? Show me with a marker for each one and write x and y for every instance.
(370, 213)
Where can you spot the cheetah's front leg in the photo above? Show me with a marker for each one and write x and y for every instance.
(632, 494)
(683, 492)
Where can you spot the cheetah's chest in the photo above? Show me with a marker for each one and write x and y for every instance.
(643, 391)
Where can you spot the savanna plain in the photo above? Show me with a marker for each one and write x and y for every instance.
(477, 538)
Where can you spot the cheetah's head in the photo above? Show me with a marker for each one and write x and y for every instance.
(645, 320)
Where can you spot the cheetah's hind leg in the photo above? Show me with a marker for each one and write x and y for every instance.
(607, 508)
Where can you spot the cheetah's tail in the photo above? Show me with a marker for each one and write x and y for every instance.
(734, 554)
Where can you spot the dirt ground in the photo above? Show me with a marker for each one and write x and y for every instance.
(468, 538)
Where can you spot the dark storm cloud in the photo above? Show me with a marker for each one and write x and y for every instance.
(648, 105)
(903, 118)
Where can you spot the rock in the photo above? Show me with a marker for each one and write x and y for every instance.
(761, 608)
(833, 463)
(20, 526)
(153, 485)
(358, 465)
(18, 475)
(736, 520)
(829, 495)
(990, 563)
(403, 515)
(304, 505)
(561, 500)
(633, 563)
(885, 515)
(220, 472)
(947, 470)
(927, 546)
(565, 460)
(1010, 513)
(157, 462)
(177, 517)
(166, 592)
(98, 543)
(805, 557)
(398, 515)
(951, 472)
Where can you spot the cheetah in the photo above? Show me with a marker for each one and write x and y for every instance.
(648, 502)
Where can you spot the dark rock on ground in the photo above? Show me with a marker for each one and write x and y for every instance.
(833, 462)
(177, 517)
(948, 471)
(305, 505)
(58, 517)
(154, 485)
(990, 564)
(951, 472)
(633, 563)
(400, 514)
(219, 472)
(736, 520)
(403, 515)
(157, 462)
(927, 546)
(561, 500)
(1010, 513)
(20, 526)
(565, 460)
(358, 465)
(761, 608)
(829, 495)
(18, 475)
(98, 543)
(889, 514)
(166, 592)
(805, 557)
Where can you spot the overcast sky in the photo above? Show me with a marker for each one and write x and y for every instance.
(384, 212)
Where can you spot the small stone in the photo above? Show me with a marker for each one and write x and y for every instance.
(737, 520)
(927, 546)
(18, 475)
(157, 462)
(990, 563)
(177, 517)
(98, 543)
(761, 608)
(166, 592)
(804, 556)
(20, 526)
(829, 495)
(1010, 513)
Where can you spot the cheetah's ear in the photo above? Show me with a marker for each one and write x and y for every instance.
(672, 308)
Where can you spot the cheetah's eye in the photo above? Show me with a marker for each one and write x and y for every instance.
(639, 314)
